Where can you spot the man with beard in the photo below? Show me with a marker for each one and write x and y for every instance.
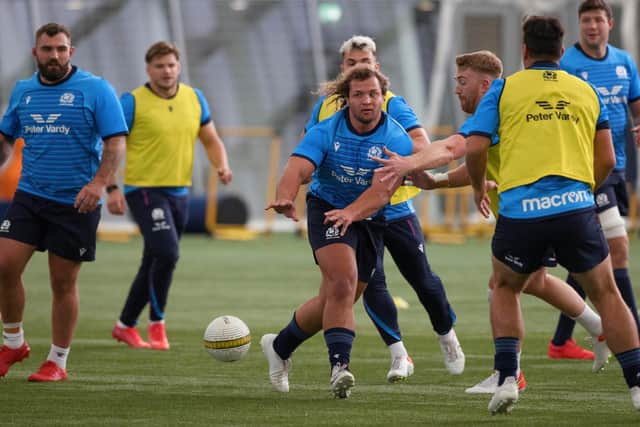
(73, 129)
(336, 156)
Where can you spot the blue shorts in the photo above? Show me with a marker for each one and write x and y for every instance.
(576, 237)
(51, 226)
(363, 236)
(161, 217)
(612, 193)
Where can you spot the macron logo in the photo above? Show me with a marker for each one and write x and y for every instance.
(557, 200)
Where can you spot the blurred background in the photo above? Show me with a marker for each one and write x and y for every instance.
(259, 61)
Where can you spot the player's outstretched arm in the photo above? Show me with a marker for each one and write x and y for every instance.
(112, 153)
(216, 152)
(436, 154)
(297, 172)
(457, 177)
(368, 203)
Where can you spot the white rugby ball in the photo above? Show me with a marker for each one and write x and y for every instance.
(227, 338)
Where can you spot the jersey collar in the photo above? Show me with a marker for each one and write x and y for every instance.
(346, 116)
(577, 46)
(544, 65)
(59, 82)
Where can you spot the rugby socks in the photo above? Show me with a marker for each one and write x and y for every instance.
(630, 364)
(398, 350)
(448, 337)
(339, 342)
(383, 312)
(589, 320)
(506, 357)
(565, 327)
(120, 324)
(13, 340)
(289, 339)
(58, 355)
(626, 290)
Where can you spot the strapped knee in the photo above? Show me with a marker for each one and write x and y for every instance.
(612, 223)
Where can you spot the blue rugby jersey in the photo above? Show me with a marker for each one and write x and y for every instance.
(342, 158)
(400, 111)
(63, 126)
(615, 77)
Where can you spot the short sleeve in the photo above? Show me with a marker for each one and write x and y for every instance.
(315, 113)
(128, 103)
(486, 119)
(10, 126)
(313, 146)
(403, 113)
(109, 116)
(205, 117)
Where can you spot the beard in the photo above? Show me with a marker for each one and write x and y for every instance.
(363, 120)
(53, 71)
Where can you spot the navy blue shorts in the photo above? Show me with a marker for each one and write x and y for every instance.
(363, 236)
(161, 217)
(576, 237)
(612, 193)
(549, 259)
(51, 226)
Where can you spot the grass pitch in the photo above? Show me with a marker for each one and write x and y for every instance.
(262, 282)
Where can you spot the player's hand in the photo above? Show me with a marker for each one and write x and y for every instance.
(339, 218)
(88, 198)
(392, 168)
(225, 175)
(285, 207)
(482, 202)
(423, 179)
(636, 135)
(115, 202)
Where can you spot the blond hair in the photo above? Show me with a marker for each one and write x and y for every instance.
(482, 61)
(364, 43)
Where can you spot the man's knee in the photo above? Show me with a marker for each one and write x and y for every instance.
(342, 288)
(613, 225)
(63, 283)
(168, 255)
(10, 268)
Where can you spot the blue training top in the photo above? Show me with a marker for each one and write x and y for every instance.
(344, 168)
(398, 109)
(63, 126)
(615, 77)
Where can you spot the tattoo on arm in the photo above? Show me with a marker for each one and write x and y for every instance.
(112, 155)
